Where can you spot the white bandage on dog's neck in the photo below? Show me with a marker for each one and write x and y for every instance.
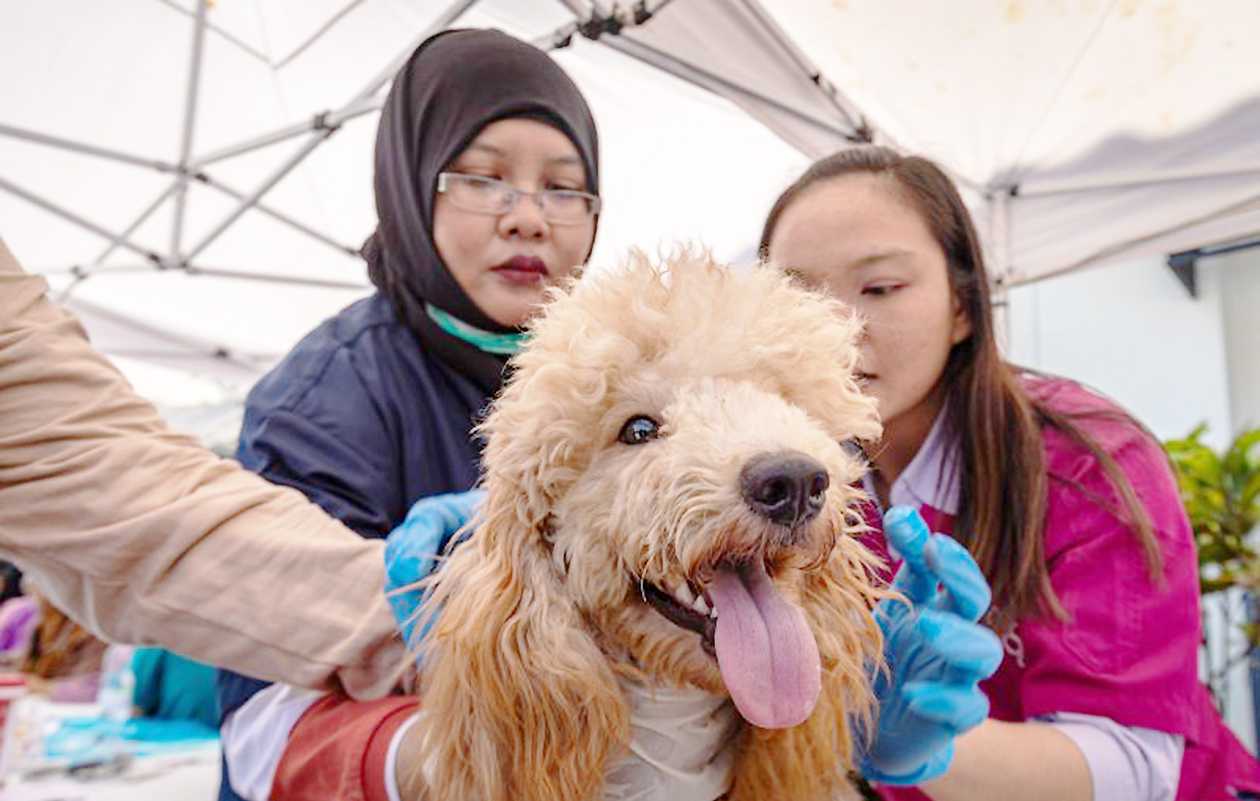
(680, 746)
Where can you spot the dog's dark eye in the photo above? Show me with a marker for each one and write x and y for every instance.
(638, 430)
(852, 447)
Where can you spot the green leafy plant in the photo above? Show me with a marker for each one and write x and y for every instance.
(1221, 493)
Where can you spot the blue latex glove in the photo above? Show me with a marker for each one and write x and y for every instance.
(936, 652)
(412, 548)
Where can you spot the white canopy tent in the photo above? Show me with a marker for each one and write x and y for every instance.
(196, 175)
(1088, 130)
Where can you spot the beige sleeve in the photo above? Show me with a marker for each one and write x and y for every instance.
(145, 537)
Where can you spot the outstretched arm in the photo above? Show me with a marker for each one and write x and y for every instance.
(144, 536)
(1032, 761)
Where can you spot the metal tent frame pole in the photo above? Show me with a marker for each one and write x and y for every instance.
(79, 220)
(273, 278)
(187, 347)
(178, 185)
(86, 149)
(1119, 247)
(115, 241)
(1108, 182)
(192, 168)
(851, 113)
(1185, 263)
(318, 34)
(717, 84)
(186, 138)
(586, 15)
(698, 76)
(866, 130)
(999, 209)
(453, 12)
(279, 216)
(215, 29)
(321, 121)
(322, 126)
(860, 129)
(335, 118)
(312, 39)
(77, 269)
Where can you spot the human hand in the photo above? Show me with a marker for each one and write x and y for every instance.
(936, 653)
(412, 548)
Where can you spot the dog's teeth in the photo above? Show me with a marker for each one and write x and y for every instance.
(682, 593)
(700, 605)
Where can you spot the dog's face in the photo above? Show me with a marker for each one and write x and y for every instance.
(676, 446)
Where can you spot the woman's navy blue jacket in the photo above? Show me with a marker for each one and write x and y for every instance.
(364, 423)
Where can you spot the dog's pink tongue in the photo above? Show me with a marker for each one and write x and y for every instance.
(765, 650)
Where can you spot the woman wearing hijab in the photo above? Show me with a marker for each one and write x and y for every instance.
(486, 191)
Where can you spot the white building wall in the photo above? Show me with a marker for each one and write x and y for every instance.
(1240, 300)
(1133, 332)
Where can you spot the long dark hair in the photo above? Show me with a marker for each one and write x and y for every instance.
(995, 421)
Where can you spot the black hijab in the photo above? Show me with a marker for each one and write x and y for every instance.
(455, 84)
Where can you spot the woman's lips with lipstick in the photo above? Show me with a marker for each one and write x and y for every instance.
(522, 270)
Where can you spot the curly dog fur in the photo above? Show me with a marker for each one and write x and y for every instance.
(544, 608)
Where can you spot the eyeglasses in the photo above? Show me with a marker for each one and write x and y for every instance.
(482, 195)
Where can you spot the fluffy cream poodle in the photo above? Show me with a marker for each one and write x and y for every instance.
(670, 505)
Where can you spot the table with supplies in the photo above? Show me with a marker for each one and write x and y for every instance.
(70, 752)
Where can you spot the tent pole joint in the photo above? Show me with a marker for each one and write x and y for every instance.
(161, 264)
(863, 132)
(597, 26)
(1185, 265)
(323, 121)
(611, 23)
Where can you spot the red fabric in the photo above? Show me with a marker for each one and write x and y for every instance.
(337, 750)
(1129, 651)
(936, 519)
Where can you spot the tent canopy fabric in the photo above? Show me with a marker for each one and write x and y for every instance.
(1082, 131)
(195, 175)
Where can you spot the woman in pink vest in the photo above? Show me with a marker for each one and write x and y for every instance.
(1067, 503)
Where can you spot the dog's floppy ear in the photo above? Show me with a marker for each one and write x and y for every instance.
(811, 761)
(519, 703)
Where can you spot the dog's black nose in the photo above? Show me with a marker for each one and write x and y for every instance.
(787, 488)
